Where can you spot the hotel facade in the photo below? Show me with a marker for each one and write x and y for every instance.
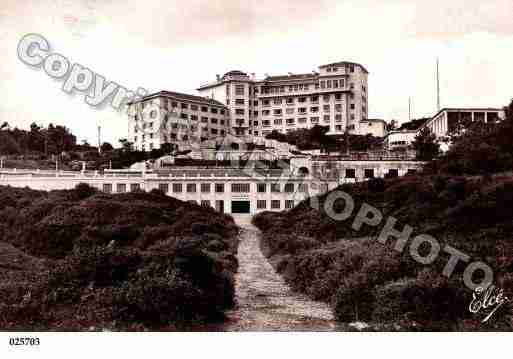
(335, 96)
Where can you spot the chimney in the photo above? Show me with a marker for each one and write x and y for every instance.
(218, 77)
(290, 73)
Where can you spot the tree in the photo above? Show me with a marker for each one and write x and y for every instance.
(106, 147)
(426, 145)
(126, 145)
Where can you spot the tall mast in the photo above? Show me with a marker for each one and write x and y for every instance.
(437, 85)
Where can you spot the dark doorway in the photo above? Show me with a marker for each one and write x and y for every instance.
(240, 207)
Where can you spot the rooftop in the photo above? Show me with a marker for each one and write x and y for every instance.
(180, 97)
(291, 77)
(343, 63)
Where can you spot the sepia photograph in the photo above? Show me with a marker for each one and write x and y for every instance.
(209, 176)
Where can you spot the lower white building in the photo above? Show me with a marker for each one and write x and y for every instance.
(399, 139)
(374, 127)
(452, 120)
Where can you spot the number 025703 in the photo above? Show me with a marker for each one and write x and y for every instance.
(27, 341)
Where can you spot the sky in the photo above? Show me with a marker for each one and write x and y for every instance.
(178, 45)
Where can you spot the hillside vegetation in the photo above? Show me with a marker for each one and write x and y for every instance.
(82, 260)
(368, 281)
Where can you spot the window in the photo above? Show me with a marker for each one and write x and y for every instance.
(275, 204)
(326, 98)
(204, 109)
(338, 97)
(290, 101)
(314, 119)
(239, 101)
(338, 107)
(121, 188)
(191, 201)
(194, 107)
(326, 108)
(338, 118)
(213, 110)
(275, 187)
(301, 120)
(277, 101)
(289, 111)
(338, 128)
(277, 112)
(184, 106)
(289, 204)
(219, 187)
(350, 173)
(205, 203)
(261, 204)
(352, 106)
(213, 121)
(240, 187)
(107, 187)
(261, 187)
(314, 109)
(205, 188)
(301, 99)
(290, 121)
(177, 187)
(164, 187)
(393, 173)
(204, 120)
(239, 89)
(191, 187)
(289, 187)
(278, 121)
(134, 187)
(369, 173)
(326, 118)
(302, 187)
(266, 113)
(314, 99)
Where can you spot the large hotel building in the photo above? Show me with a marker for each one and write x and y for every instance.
(335, 96)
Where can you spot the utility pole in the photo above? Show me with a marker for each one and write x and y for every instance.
(99, 139)
(409, 108)
(437, 85)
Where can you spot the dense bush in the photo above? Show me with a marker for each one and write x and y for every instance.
(367, 281)
(79, 259)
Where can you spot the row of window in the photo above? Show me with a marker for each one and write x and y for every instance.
(334, 83)
(300, 120)
(235, 187)
(185, 106)
(314, 109)
(368, 172)
(275, 204)
(261, 204)
(121, 187)
(292, 100)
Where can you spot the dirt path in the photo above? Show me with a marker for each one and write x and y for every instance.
(264, 301)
